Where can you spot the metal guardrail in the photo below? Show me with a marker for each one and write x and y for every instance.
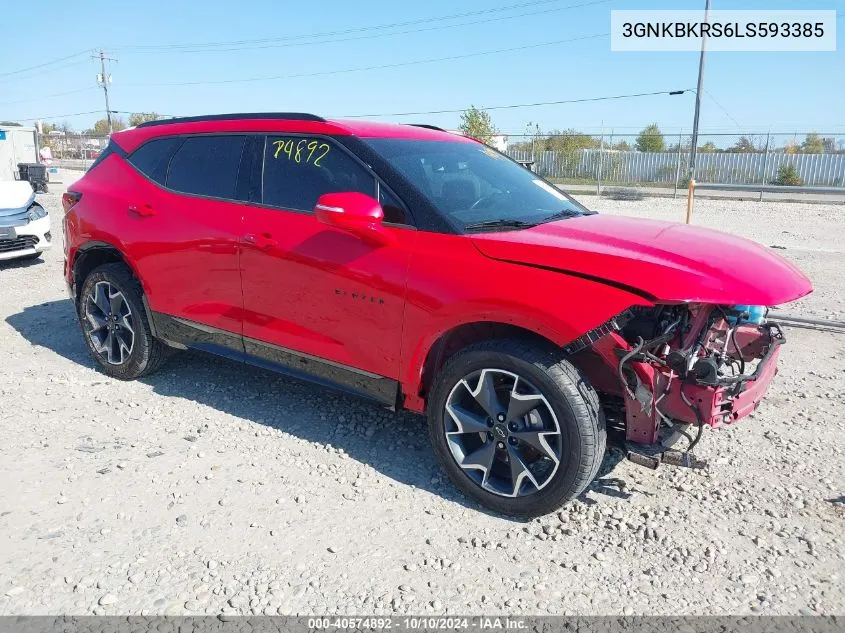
(823, 325)
(709, 186)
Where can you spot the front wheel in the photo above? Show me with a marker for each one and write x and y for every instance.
(516, 427)
(115, 326)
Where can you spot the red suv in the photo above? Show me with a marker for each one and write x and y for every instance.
(425, 271)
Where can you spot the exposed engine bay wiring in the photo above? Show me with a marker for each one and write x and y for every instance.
(675, 351)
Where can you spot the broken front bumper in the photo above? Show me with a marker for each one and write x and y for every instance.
(661, 395)
(732, 399)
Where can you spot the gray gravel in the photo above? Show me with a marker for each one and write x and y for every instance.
(213, 488)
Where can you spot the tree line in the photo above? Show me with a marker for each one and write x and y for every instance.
(478, 124)
(101, 127)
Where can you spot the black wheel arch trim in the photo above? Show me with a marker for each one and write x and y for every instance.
(94, 245)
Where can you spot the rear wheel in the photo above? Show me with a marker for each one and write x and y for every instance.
(115, 325)
(516, 427)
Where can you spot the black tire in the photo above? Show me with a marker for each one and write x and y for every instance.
(572, 399)
(147, 353)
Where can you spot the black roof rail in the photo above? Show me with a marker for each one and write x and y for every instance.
(290, 116)
(429, 127)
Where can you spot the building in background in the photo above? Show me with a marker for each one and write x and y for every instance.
(18, 144)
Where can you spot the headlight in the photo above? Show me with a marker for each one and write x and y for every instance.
(36, 212)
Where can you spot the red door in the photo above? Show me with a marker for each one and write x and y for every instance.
(309, 287)
(186, 245)
(317, 290)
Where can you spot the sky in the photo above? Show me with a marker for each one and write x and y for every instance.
(264, 57)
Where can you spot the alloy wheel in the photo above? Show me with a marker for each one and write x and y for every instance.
(110, 323)
(502, 431)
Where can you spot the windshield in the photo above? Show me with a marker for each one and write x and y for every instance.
(475, 186)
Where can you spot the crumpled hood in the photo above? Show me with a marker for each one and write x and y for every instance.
(15, 194)
(665, 260)
(15, 198)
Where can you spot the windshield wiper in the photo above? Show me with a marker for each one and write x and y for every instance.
(564, 213)
(502, 223)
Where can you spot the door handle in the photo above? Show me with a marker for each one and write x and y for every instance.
(143, 211)
(264, 242)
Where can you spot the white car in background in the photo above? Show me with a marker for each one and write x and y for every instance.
(24, 224)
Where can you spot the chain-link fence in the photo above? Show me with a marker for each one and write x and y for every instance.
(661, 161)
(71, 151)
(592, 162)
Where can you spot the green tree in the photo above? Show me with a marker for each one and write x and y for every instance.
(570, 141)
(101, 127)
(477, 124)
(813, 144)
(744, 145)
(708, 148)
(136, 118)
(570, 145)
(651, 139)
(622, 146)
(788, 175)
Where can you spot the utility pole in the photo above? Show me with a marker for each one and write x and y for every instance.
(104, 80)
(601, 162)
(698, 91)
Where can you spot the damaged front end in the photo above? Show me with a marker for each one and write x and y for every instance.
(667, 368)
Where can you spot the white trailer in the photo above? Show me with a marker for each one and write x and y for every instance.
(18, 144)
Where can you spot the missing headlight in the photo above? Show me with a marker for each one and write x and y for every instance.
(36, 212)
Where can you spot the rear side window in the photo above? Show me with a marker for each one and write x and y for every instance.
(153, 156)
(298, 170)
(207, 166)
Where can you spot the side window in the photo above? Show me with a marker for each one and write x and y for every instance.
(249, 177)
(207, 166)
(298, 170)
(153, 156)
(393, 209)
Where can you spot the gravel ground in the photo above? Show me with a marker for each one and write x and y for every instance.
(212, 488)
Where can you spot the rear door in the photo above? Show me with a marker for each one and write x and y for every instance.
(312, 292)
(188, 218)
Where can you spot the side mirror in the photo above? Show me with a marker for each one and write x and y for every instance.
(355, 213)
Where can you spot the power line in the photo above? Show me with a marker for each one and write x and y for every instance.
(377, 27)
(50, 63)
(288, 44)
(40, 73)
(366, 68)
(523, 105)
(56, 94)
(54, 116)
(722, 108)
(66, 115)
(499, 107)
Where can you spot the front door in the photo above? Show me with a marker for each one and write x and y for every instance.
(317, 299)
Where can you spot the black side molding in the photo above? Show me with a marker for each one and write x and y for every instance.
(182, 333)
(383, 390)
